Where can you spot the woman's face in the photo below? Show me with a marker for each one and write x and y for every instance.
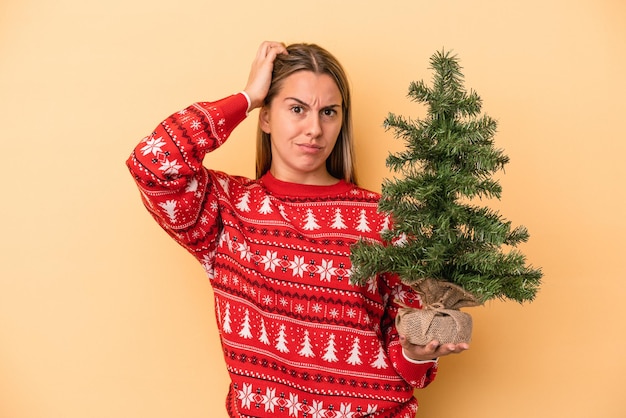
(303, 120)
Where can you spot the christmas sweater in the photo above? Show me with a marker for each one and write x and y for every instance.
(299, 340)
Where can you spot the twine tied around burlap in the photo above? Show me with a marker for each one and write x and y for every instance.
(440, 318)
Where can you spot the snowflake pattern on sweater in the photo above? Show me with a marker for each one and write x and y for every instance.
(299, 340)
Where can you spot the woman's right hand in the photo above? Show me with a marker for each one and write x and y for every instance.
(260, 76)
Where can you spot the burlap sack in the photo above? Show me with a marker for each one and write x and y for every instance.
(443, 294)
(440, 318)
(421, 326)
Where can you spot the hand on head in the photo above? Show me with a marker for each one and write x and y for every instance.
(260, 76)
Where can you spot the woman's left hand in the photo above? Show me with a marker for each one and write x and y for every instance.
(430, 351)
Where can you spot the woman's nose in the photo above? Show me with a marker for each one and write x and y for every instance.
(314, 127)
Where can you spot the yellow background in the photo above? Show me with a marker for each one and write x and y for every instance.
(102, 315)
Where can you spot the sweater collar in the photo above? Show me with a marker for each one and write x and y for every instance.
(283, 188)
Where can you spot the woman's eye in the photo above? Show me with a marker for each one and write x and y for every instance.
(329, 112)
(297, 109)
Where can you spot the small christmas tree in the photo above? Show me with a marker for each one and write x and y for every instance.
(440, 235)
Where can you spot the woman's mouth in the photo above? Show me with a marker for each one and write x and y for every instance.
(310, 148)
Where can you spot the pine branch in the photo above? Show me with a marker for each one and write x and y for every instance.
(449, 159)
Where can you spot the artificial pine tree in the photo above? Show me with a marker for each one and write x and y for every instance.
(453, 252)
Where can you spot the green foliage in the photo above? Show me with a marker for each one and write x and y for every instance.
(437, 233)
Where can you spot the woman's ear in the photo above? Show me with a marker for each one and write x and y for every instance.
(264, 119)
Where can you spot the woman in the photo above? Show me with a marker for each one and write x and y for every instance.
(299, 340)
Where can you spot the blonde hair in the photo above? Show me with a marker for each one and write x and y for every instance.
(311, 57)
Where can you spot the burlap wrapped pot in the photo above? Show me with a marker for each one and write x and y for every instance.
(440, 319)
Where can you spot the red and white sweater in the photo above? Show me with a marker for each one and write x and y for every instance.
(299, 340)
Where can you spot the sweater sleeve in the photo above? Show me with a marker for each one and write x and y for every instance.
(418, 374)
(175, 187)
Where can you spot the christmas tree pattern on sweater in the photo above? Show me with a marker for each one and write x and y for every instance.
(299, 340)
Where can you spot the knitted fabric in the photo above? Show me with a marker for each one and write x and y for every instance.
(298, 339)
